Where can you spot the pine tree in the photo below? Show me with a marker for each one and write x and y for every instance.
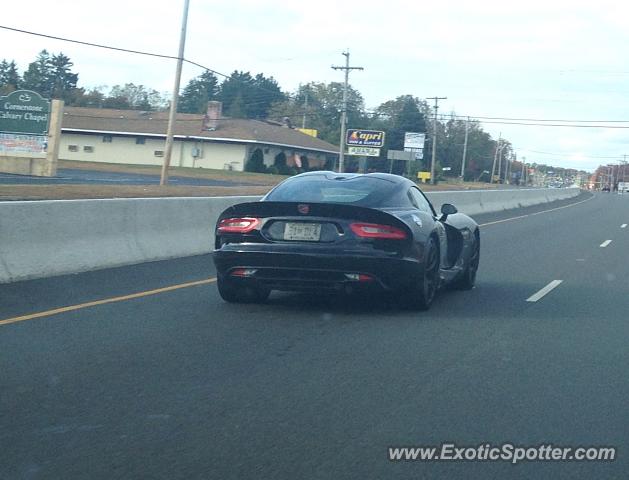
(249, 97)
(9, 77)
(198, 92)
(63, 81)
(38, 77)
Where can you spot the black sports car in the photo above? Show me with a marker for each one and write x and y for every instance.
(325, 231)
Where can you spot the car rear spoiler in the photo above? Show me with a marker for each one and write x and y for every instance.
(311, 210)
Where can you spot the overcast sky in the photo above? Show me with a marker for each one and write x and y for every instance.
(552, 59)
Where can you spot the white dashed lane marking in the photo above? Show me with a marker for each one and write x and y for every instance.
(605, 243)
(544, 291)
(624, 225)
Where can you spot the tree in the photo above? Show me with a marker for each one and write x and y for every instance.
(256, 162)
(198, 92)
(94, 97)
(244, 96)
(38, 77)
(408, 118)
(266, 91)
(131, 96)
(397, 117)
(325, 103)
(62, 80)
(9, 77)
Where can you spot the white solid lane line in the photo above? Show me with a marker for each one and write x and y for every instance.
(624, 225)
(544, 291)
(605, 243)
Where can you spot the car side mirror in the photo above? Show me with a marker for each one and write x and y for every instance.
(447, 209)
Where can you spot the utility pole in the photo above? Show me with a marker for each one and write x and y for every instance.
(507, 169)
(467, 131)
(347, 69)
(168, 149)
(499, 163)
(434, 137)
(303, 121)
(523, 175)
(493, 167)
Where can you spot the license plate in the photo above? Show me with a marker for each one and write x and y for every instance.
(310, 232)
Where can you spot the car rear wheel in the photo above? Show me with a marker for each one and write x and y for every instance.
(422, 295)
(233, 292)
(467, 280)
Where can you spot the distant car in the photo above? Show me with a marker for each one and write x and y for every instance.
(330, 232)
(605, 189)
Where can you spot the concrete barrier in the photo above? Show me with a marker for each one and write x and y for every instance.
(47, 238)
(475, 202)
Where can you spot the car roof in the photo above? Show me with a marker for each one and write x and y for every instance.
(379, 175)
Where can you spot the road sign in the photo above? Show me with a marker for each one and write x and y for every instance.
(414, 140)
(24, 112)
(365, 138)
(446, 169)
(400, 155)
(423, 176)
(363, 151)
(419, 152)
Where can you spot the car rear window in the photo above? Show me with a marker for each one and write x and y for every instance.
(363, 191)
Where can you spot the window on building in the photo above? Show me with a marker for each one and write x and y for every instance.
(88, 149)
(159, 153)
(107, 138)
(140, 140)
(73, 148)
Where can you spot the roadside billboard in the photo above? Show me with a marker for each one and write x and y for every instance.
(365, 138)
(414, 140)
(24, 112)
(363, 151)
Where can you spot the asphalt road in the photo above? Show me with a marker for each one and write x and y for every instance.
(72, 176)
(179, 385)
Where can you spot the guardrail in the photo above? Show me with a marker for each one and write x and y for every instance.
(55, 237)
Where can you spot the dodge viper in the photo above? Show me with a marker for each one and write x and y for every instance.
(346, 233)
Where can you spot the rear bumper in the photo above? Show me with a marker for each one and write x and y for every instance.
(315, 270)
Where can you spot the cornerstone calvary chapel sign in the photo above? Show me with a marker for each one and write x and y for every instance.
(24, 112)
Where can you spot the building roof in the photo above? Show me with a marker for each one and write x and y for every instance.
(135, 122)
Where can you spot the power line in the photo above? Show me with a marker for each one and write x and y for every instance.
(557, 125)
(89, 44)
(274, 94)
(128, 50)
(568, 154)
(538, 119)
(538, 124)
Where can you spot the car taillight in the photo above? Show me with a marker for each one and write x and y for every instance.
(238, 225)
(373, 230)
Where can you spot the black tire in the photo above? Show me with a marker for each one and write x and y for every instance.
(467, 280)
(231, 292)
(423, 293)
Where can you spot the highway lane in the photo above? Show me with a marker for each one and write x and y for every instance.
(182, 385)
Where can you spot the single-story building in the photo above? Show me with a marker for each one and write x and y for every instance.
(207, 141)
